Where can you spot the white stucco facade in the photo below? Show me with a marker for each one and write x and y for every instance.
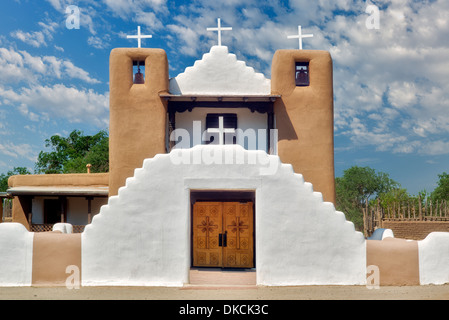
(142, 236)
(220, 73)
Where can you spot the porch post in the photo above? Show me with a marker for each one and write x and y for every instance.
(89, 209)
(171, 127)
(63, 201)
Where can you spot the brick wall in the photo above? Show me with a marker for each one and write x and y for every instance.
(416, 230)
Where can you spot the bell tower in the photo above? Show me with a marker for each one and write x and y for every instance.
(137, 113)
(305, 115)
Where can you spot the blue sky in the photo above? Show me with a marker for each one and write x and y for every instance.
(391, 85)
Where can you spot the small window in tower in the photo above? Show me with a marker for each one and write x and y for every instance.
(221, 128)
(138, 72)
(302, 74)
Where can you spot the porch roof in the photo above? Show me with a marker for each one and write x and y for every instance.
(74, 191)
(219, 98)
(182, 103)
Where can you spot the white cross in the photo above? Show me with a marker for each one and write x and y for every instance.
(221, 130)
(300, 36)
(219, 29)
(139, 37)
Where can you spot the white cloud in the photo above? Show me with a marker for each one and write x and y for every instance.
(37, 38)
(125, 8)
(393, 80)
(59, 101)
(22, 66)
(16, 151)
(77, 73)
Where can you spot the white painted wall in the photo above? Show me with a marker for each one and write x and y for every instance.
(142, 237)
(250, 123)
(16, 255)
(220, 73)
(434, 258)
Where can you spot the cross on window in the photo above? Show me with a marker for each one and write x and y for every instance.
(222, 130)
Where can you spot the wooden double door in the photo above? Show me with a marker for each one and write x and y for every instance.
(223, 234)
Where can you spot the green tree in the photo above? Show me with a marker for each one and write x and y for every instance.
(358, 185)
(72, 154)
(441, 192)
(4, 177)
(395, 195)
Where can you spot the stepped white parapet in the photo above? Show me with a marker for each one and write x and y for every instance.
(142, 236)
(220, 73)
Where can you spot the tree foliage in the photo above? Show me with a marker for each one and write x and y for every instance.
(4, 177)
(356, 187)
(441, 192)
(73, 153)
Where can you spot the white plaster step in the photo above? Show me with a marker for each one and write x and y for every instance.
(222, 277)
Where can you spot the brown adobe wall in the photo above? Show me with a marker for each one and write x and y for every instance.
(138, 116)
(75, 179)
(53, 252)
(397, 260)
(304, 117)
(415, 230)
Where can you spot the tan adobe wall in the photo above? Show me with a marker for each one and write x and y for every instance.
(75, 179)
(415, 230)
(53, 252)
(138, 117)
(397, 260)
(304, 117)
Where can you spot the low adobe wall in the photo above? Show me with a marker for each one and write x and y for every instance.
(37, 259)
(415, 230)
(397, 260)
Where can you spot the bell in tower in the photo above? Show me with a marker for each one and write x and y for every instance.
(138, 77)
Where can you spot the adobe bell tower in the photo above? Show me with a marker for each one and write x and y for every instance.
(305, 115)
(138, 115)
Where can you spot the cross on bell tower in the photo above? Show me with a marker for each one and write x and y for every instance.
(139, 37)
(300, 36)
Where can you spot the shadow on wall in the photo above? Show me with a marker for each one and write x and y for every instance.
(286, 131)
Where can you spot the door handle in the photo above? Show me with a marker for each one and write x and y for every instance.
(223, 239)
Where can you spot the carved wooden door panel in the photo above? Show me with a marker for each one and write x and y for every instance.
(238, 227)
(223, 234)
(207, 226)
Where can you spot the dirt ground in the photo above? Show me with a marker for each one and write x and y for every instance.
(431, 292)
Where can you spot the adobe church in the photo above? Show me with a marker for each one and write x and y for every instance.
(218, 167)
